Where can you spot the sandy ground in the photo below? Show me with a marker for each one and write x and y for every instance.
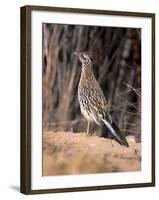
(70, 153)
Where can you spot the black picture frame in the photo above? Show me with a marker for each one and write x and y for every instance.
(25, 182)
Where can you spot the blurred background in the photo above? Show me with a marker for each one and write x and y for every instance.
(117, 67)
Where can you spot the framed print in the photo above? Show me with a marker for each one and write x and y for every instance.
(87, 99)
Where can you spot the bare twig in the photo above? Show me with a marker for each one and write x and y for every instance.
(135, 90)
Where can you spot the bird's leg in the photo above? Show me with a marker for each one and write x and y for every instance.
(88, 128)
(112, 143)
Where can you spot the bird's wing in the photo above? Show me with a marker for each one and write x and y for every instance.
(115, 131)
(112, 130)
(95, 116)
(102, 116)
(99, 95)
(99, 111)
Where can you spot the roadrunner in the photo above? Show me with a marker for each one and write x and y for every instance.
(92, 100)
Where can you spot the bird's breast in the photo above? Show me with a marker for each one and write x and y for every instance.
(86, 114)
(84, 101)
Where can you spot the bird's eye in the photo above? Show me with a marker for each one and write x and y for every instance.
(84, 57)
(91, 59)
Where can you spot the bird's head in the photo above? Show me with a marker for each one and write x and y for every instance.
(84, 57)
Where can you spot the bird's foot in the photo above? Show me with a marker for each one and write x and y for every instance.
(88, 134)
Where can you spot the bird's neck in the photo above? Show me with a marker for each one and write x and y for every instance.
(87, 72)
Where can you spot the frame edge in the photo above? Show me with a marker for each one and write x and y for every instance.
(153, 100)
(88, 10)
(25, 96)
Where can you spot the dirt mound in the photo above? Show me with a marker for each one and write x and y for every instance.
(70, 153)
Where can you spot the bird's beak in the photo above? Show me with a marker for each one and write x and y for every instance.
(78, 54)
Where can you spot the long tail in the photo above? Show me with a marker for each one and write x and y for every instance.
(115, 132)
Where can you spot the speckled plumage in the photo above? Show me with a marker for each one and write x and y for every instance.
(92, 100)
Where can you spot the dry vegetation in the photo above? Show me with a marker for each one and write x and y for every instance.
(117, 64)
(117, 67)
(69, 153)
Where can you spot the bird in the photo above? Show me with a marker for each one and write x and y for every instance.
(92, 101)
